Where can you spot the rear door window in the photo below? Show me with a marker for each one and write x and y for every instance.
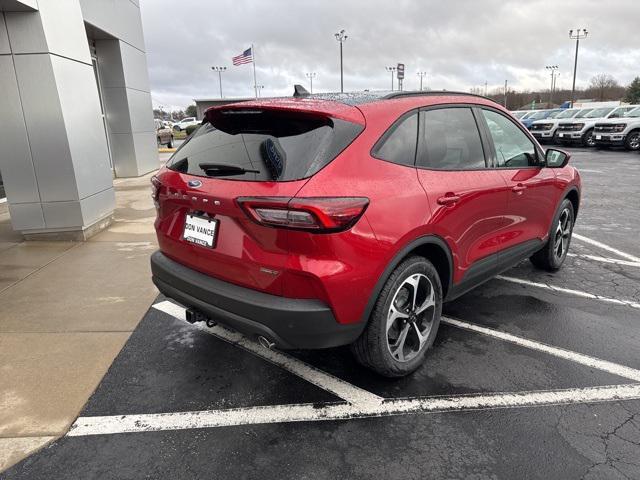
(450, 139)
(263, 145)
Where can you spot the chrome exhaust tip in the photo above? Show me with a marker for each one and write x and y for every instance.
(265, 342)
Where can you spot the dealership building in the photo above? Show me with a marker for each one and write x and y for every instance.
(76, 111)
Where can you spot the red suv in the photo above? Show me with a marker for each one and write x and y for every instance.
(326, 220)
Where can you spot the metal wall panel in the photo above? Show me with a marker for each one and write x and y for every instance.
(116, 108)
(80, 108)
(26, 216)
(146, 152)
(134, 63)
(5, 49)
(110, 63)
(120, 18)
(26, 32)
(45, 128)
(15, 156)
(140, 111)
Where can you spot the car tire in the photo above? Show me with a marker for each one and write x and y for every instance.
(632, 141)
(588, 139)
(398, 334)
(552, 255)
(170, 143)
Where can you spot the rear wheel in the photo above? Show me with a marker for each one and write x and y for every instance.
(632, 142)
(552, 255)
(404, 321)
(170, 143)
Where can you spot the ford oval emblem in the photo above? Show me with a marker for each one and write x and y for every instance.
(194, 183)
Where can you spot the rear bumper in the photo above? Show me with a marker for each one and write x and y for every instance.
(288, 322)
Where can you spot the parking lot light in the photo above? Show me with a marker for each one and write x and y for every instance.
(341, 37)
(392, 70)
(421, 75)
(219, 70)
(576, 35)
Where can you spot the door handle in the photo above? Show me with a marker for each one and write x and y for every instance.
(519, 188)
(448, 199)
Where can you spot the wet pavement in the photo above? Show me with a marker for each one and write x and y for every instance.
(533, 375)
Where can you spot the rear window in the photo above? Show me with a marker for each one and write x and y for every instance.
(263, 145)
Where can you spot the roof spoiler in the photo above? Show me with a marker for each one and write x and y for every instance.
(300, 91)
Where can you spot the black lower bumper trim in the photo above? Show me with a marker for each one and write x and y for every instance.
(289, 323)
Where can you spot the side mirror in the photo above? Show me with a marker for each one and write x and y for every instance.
(556, 158)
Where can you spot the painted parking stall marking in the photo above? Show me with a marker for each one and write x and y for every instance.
(596, 258)
(110, 425)
(606, 247)
(340, 388)
(577, 293)
(358, 402)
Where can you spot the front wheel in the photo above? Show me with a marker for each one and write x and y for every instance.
(170, 144)
(552, 255)
(588, 139)
(404, 321)
(632, 142)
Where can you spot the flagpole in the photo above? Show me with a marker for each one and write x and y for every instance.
(255, 83)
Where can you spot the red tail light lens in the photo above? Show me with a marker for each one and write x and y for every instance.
(155, 190)
(319, 214)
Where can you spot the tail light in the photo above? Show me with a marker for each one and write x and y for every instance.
(155, 190)
(316, 214)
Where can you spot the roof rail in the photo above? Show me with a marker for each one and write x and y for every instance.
(417, 93)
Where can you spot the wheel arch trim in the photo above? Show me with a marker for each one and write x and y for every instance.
(397, 259)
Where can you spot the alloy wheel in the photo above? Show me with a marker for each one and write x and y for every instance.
(410, 317)
(562, 235)
(634, 141)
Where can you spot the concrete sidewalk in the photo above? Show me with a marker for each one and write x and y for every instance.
(66, 310)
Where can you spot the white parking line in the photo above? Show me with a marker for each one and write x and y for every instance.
(338, 387)
(586, 360)
(577, 293)
(604, 246)
(596, 258)
(114, 424)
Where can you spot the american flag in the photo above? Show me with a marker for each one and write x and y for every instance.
(244, 57)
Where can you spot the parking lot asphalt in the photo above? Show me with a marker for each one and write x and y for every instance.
(533, 375)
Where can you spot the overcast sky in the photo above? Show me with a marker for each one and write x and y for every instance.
(459, 43)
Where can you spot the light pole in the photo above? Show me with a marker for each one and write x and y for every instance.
(219, 70)
(576, 35)
(392, 70)
(259, 89)
(421, 75)
(553, 69)
(505, 94)
(341, 37)
(311, 76)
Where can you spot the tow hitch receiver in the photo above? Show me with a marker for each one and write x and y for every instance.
(194, 316)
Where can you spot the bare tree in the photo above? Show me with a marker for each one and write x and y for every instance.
(604, 86)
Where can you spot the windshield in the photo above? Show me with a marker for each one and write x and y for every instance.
(635, 113)
(263, 145)
(583, 112)
(599, 112)
(567, 113)
(554, 114)
(539, 115)
(518, 114)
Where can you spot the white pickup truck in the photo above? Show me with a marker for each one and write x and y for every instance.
(546, 130)
(621, 132)
(581, 130)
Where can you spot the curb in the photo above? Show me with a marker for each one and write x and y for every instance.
(166, 150)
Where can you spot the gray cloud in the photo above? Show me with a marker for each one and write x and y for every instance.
(461, 44)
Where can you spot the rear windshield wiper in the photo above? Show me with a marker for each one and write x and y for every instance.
(221, 170)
